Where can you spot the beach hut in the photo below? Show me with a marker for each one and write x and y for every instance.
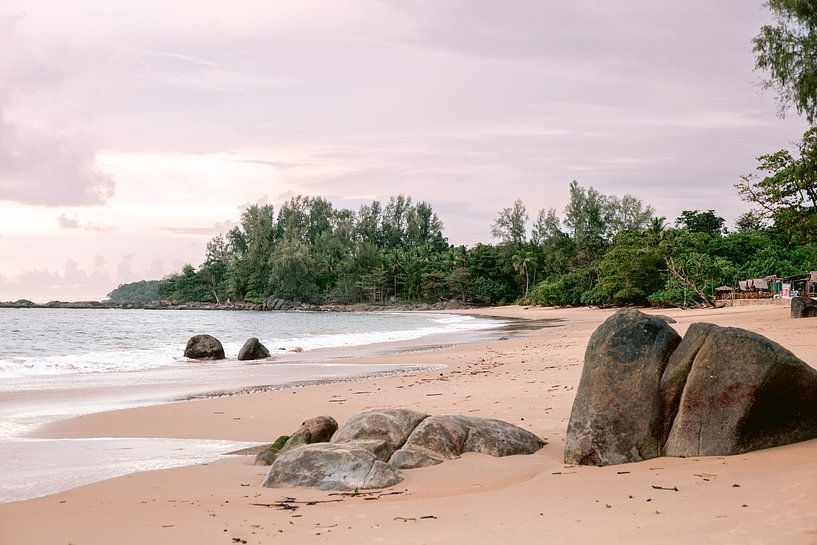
(803, 284)
(725, 292)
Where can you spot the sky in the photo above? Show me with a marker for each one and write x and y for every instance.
(133, 131)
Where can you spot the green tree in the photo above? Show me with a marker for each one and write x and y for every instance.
(751, 221)
(187, 286)
(787, 194)
(630, 271)
(787, 50)
(460, 283)
(696, 221)
(586, 221)
(143, 291)
(510, 226)
(522, 263)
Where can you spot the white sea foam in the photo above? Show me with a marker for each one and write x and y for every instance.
(36, 467)
(110, 354)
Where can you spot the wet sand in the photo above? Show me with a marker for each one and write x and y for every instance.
(762, 497)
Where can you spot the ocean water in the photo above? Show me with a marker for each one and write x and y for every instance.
(48, 342)
(59, 363)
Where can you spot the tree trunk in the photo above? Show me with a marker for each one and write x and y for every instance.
(684, 280)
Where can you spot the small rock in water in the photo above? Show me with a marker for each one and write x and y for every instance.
(204, 347)
(253, 350)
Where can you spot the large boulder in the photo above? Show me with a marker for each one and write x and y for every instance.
(204, 347)
(313, 430)
(446, 437)
(676, 372)
(268, 454)
(383, 430)
(803, 307)
(330, 466)
(617, 414)
(742, 392)
(253, 350)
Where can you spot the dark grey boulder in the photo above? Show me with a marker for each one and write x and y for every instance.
(313, 430)
(204, 347)
(391, 426)
(743, 392)
(617, 414)
(330, 466)
(803, 307)
(446, 437)
(676, 371)
(253, 350)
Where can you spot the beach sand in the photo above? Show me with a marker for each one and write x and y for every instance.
(764, 497)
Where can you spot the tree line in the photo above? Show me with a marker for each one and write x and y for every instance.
(600, 250)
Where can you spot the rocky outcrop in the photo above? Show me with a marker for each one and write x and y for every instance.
(204, 347)
(356, 456)
(617, 413)
(743, 392)
(330, 466)
(313, 430)
(386, 429)
(803, 307)
(446, 437)
(253, 350)
(720, 391)
(273, 303)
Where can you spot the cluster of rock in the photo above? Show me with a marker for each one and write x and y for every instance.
(803, 307)
(207, 347)
(451, 304)
(273, 303)
(645, 392)
(370, 448)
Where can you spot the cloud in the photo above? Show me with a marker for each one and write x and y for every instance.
(98, 227)
(42, 164)
(37, 167)
(72, 222)
(124, 270)
(66, 222)
(72, 283)
(211, 230)
(157, 269)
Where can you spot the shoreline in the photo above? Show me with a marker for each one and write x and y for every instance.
(270, 305)
(121, 390)
(528, 380)
(405, 359)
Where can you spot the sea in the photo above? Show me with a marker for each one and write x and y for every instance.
(60, 363)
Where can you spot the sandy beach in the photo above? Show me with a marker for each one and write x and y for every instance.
(762, 497)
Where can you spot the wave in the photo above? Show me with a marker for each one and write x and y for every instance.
(169, 354)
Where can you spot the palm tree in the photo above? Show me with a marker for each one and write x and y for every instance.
(657, 227)
(394, 266)
(521, 264)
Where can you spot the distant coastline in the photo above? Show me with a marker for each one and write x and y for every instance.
(268, 305)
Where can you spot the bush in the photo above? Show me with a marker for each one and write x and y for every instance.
(489, 291)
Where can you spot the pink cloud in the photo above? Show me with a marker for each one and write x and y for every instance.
(67, 222)
(38, 165)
